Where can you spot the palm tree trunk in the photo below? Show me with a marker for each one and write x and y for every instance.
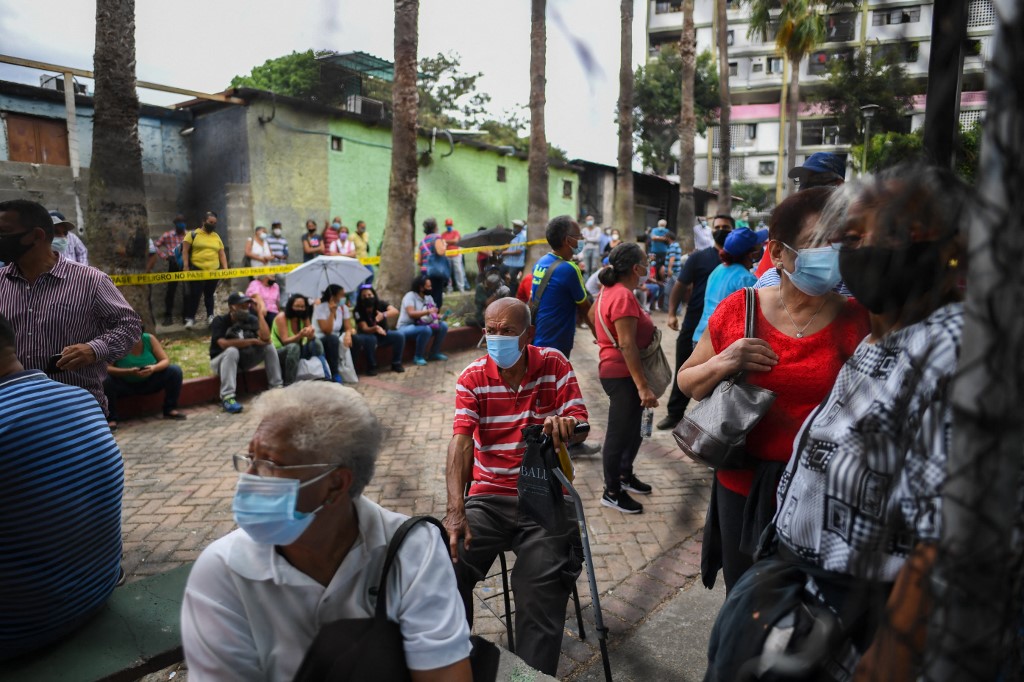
(537, 191)
(399, 241)
(792, 112)
(117, 234)
(624, 172)
(687, 130)
(724, 136)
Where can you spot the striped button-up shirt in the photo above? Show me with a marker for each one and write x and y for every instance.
(68, 305)
(494, 414)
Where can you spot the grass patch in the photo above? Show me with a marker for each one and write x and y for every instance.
(191, 353)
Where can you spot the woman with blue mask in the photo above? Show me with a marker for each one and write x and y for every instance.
(310, 549)
(804, 333)
(623, 328)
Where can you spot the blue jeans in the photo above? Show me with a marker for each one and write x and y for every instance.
(422, 334)
(368, 344)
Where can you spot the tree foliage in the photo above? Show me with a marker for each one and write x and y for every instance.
(860, 80)
(754, 196)
(890, 149)
(448, 96)
(657, 100)
(294, 75)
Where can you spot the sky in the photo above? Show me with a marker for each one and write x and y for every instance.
(202, 44)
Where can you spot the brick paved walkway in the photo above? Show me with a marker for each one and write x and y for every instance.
(179, 485)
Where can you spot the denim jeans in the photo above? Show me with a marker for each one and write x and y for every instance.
(422, 334)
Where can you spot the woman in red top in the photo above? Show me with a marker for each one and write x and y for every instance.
(804, 333)
(622, 374)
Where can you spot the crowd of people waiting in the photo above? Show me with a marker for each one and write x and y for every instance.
(837, 505)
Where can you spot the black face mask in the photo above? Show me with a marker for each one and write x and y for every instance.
(719, 236)
(884, 280)
(208, 227)
(11, 248)
(240, 315)
(293, 314)
(311, 229)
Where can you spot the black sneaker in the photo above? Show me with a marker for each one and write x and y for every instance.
(371, 372)
(667, 423)
(397, 367)
(621, 501)
(635, 485)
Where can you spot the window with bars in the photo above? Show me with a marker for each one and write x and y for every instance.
(757, 67)
(775, 64)
(821, 131)
(734, 68)
(730, 37)
(840, 27)
(502, 173)
(902, 15)
(739, 134)
(899, 52)
(980, 13)
(818, 62)
(736, 170)
(969, 118)
(766, 168)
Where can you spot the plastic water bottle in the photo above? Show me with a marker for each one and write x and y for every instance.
(647, 423)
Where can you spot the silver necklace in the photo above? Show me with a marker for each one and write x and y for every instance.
(800, 330)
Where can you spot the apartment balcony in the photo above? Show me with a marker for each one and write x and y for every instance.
(664, 15)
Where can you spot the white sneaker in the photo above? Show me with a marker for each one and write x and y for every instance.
(209, 320)
(189, 323)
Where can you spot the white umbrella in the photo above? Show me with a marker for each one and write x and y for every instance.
(312, 277)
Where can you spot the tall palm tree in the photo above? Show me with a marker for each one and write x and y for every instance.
(116, 223)
(624, 172)
(400, 233)
(537, 188)
(725, 110)
(799, 27)
(687, 129)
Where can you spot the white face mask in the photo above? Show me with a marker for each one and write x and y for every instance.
(60, 244)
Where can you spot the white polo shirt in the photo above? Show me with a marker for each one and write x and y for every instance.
(248, 614)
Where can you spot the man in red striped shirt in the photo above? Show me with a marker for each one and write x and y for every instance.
(513, 386)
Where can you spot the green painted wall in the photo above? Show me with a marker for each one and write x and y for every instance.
(462, 186)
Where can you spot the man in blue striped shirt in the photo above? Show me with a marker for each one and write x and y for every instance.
(60, 506)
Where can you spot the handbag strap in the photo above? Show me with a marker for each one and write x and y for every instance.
(604, 325)
(750, 328)
(389, 558)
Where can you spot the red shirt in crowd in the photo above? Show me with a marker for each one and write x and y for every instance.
(615, 302)
(525, 287)
(494, 414)
(805, 374)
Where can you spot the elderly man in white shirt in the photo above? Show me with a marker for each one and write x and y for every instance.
(310, 549)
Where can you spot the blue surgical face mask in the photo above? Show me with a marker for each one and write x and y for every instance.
(60, 244)
(264, 507)
(816, 271)
(578, 249)
(336, 225)
(504, 350)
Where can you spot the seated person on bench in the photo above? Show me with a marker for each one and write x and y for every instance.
(60, 506)
(499, 394)
(310, 548)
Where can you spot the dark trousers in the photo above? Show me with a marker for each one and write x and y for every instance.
(202, 288)
(546, 568)
(437, 285)
(172, 289)
(730, 520)
(622, 441)
(368, 343)
(168, 381)
(678, 400)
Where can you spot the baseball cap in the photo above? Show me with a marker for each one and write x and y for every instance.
(58, 219)
(519, 223)
(449, 221)
(742, 241)
(238, 297)
(825, 163)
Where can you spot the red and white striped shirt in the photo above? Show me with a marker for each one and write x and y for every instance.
(494, 414)
(70, 304)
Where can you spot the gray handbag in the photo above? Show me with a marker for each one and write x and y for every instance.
(714, 432)
(656, 368)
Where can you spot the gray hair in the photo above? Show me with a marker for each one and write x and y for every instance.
(327, 422)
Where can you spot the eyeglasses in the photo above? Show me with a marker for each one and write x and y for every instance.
(848, 242)
(264, 467)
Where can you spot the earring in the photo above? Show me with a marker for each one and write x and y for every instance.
(952, 263)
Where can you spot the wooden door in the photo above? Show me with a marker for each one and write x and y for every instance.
(32, 139)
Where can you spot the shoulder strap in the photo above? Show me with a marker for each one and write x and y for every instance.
(389, 558)
(535, 301)
(750, 328)
(604, 324)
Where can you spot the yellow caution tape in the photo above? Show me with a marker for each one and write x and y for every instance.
(200, 275)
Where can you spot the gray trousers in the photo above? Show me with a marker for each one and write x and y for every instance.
(230, 361)
(545, 570)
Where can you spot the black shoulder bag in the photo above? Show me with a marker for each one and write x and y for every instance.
(535, 300)
(356, 649)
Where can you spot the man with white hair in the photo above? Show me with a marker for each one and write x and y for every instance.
(660, 239)
(310, 549)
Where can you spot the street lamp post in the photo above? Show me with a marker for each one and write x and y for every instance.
(868, 111)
